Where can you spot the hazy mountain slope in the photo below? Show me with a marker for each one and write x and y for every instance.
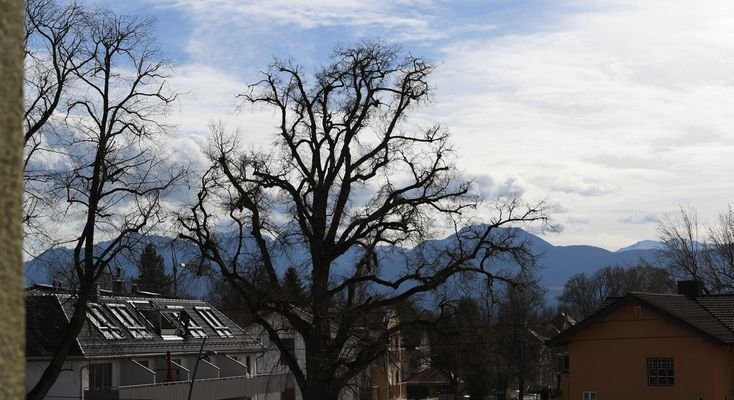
(557, 263)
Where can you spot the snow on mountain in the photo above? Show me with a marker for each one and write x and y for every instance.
(643, 245)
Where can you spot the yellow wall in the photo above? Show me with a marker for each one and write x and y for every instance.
(610, 359)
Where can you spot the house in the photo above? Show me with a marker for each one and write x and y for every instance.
(142, 346)
(383, 380)
(431, 383)
(652, 346)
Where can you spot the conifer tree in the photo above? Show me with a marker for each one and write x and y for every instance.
(293, 285)
(152, 276)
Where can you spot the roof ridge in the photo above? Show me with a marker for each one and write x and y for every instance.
(656, 294)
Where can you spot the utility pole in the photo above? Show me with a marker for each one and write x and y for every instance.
(175, 267)
(196, 367)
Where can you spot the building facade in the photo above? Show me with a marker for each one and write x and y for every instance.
(141, 347)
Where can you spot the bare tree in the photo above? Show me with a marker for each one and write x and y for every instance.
(111, 179)
(583, 295)
(517, 345)
(696, 251)
(462, 349)
(349, 177)
(53, 46)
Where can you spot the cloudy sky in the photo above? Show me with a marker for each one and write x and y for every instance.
(616, 111)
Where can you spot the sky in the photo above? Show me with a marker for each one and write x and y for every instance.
(616, 112)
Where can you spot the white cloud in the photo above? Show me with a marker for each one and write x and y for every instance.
(627, 102)
(512, 186)
(605, 106)
(636, 218)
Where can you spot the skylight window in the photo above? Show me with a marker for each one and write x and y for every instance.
(191, 326)
(133, 325)
(194, 329)
(98, 318)
(214, 321)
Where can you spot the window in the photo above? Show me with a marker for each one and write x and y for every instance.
(193, 328)
(98, 318)
(133, 325)
(564, 362)
(213, 321)
(183, 320)
(100, 376)
(589, 396)
(660, 372)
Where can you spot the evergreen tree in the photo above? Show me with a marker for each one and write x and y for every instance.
(152, 276)
(293, 286)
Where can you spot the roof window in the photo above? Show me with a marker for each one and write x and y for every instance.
(211, 318)
(133, 325)
(98, 318)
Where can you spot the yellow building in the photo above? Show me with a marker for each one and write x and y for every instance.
(653, 347)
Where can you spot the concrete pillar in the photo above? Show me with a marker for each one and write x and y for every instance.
(12, 315)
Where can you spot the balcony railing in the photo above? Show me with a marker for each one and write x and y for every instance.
(210, 388)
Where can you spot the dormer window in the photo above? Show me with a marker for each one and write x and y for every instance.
(100, 321)
(191, 326)
(214, 321)
(129, 321)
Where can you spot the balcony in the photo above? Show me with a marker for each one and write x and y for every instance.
(209, 388)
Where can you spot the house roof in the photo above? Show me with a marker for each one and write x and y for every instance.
(712, 317)
(129, 325)
(45, 326)
(429, 376)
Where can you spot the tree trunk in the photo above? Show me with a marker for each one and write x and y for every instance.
(53, 370)
(12, 323)
(521, 389)
(319, 391)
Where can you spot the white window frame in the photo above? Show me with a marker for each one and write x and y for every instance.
(194, 329)
(131, 323)
(660, 371)
(588, 396)
(211, 318)
(98, 318)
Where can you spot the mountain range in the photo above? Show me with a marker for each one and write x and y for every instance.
(556, 263)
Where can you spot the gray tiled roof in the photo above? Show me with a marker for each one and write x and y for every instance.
(48, 314)
(45, 326)
(720, 306)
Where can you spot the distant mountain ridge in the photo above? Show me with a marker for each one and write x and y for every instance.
(643, 245)
(556, 263)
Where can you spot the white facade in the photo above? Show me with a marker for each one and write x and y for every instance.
(133, 347)
(147, 374)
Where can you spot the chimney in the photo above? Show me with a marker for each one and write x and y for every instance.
(692, 289)
(133, 289)
(118, 286)
(94, 296)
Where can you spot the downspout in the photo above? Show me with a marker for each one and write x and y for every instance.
(81, 381)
